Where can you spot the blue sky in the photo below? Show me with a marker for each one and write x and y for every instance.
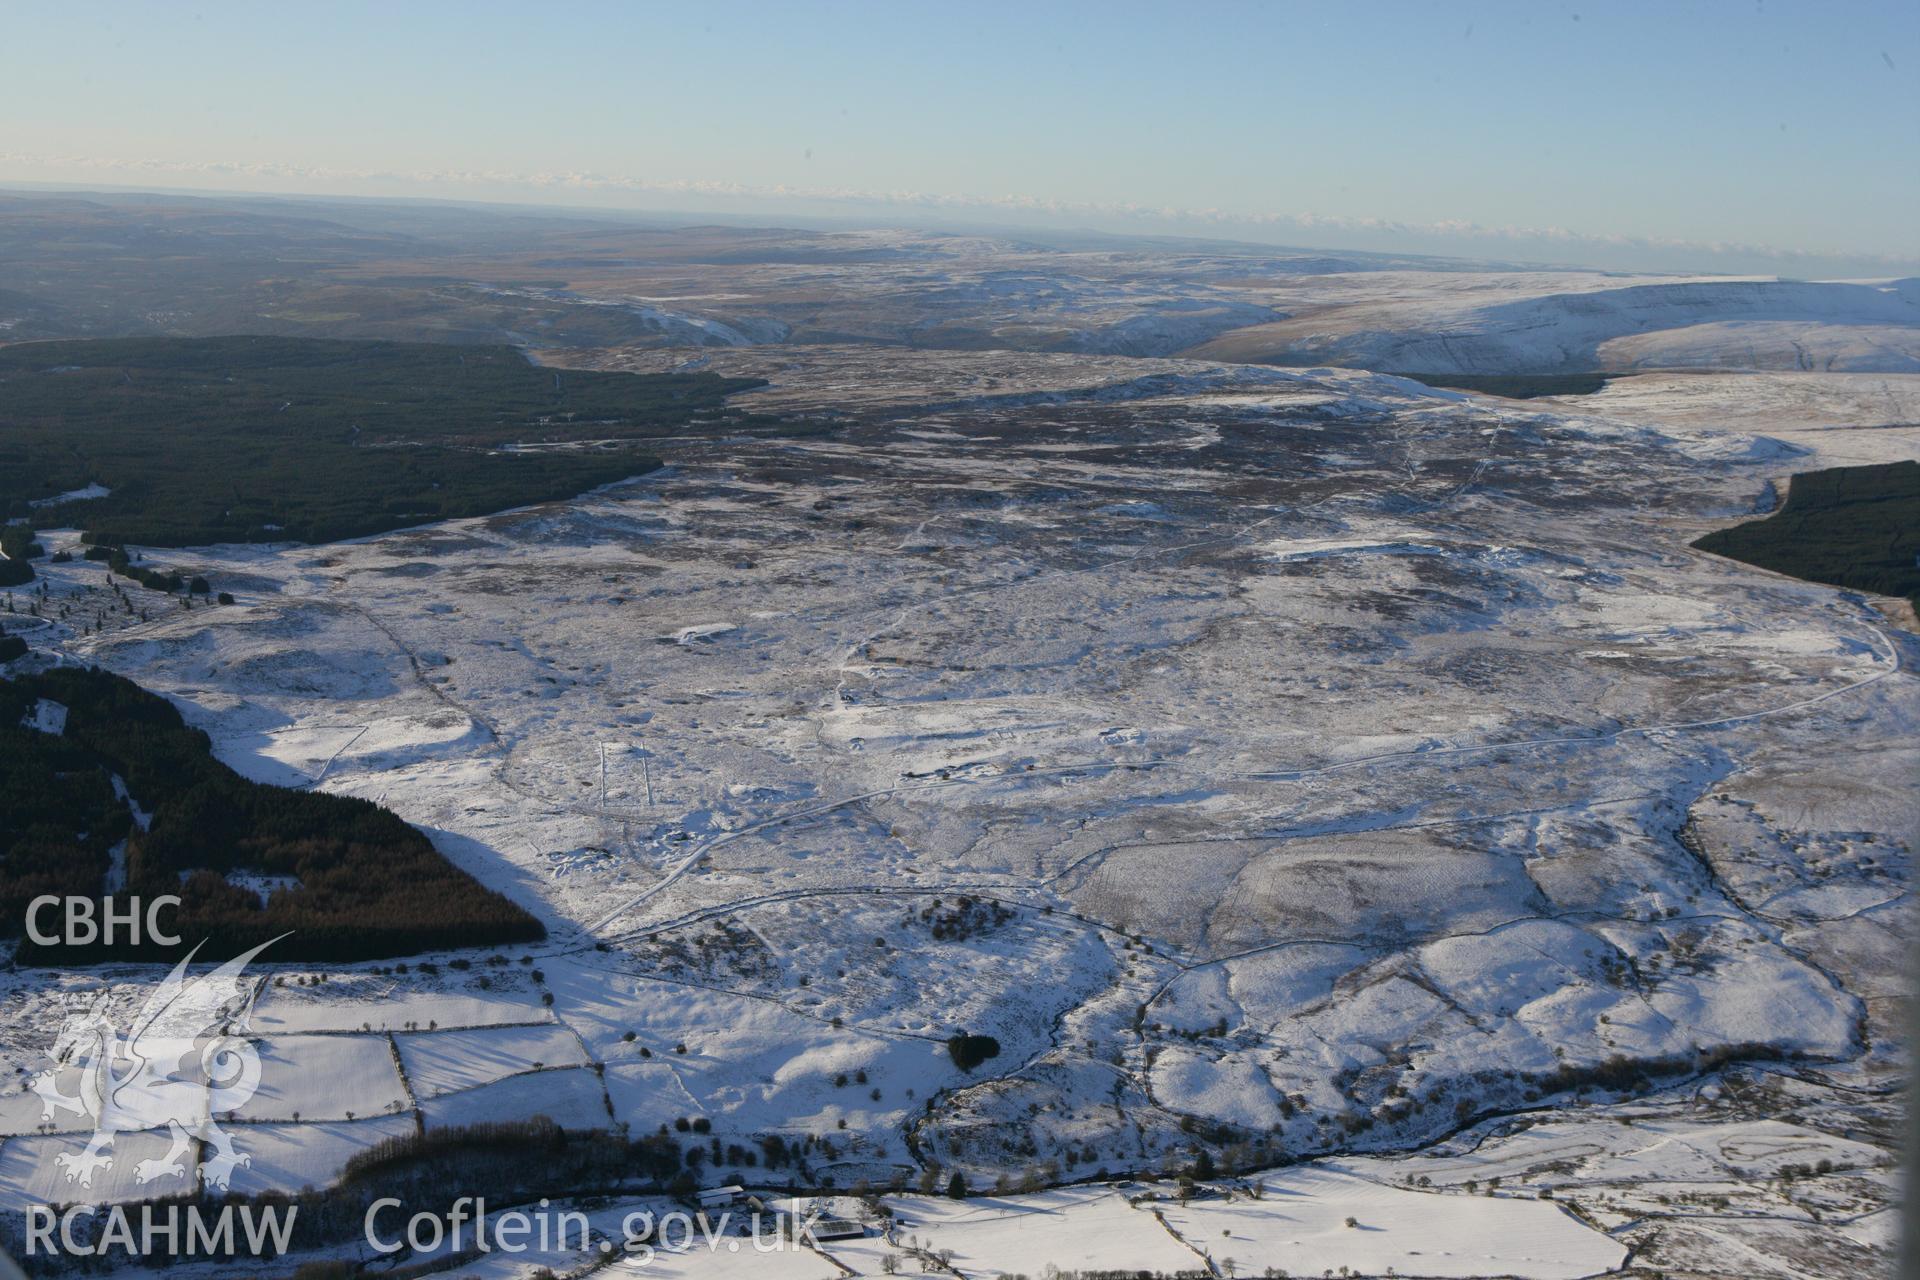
(1740, 135)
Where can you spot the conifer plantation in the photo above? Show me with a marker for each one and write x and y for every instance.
(348, 879)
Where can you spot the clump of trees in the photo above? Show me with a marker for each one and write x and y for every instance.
(365, 884)
(969, 1051)
(965, 918)
(17, 547)
(168, 580)
(17, 543)
(1621, 1074)
(1853, 527)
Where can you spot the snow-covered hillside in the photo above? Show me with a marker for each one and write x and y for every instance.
(1682, 324)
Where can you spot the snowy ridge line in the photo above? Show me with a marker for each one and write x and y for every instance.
(1335, 827)
(1732, 917)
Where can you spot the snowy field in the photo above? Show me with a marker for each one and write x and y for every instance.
(291, 1157)
(1281, 766)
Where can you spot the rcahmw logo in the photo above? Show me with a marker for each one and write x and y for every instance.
(154, 1231)
(186, 1059)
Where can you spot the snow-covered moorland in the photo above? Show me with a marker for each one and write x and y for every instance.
(1281, 767)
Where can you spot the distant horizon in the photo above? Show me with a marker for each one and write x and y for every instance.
(1753, 138)
(851, 221)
